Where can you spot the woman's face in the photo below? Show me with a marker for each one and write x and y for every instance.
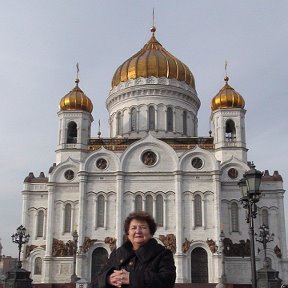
(138, 233)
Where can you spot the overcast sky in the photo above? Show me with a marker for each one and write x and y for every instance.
(41, 42)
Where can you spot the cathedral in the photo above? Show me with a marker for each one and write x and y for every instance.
(155, 161)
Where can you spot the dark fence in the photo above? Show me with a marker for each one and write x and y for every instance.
(177, 285)
(66, 285)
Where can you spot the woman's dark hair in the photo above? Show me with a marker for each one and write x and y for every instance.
(141, 216)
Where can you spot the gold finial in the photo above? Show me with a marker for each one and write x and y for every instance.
(226, 79)
(153, 28)
(77, 74)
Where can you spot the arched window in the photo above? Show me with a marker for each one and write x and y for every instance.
(151, 118)
(198, 210)
(38, 266)
(159, 210)
(67, 218)
(169, 119)
(40, 223)
(118, 124)
(265, 218)
(230, 131)
(185, 122)
(133, 119)
(149, 204)
(72, 132)
(234, 217)
(100, 211)
(138, 203)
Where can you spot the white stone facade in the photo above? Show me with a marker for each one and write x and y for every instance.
(190, 187)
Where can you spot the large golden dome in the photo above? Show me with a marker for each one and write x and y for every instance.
(227, 97)
(153, 60)
(76, 100)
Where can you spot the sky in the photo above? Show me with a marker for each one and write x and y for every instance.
(41, 42)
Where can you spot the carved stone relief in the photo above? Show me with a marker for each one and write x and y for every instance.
(169, 241)
(111, 241)
(87, 244)
(186, 245)
(62, 249)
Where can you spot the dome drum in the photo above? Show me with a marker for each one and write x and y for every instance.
(155, 88)
(121, 103)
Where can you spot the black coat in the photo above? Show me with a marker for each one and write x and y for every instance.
(151, 266)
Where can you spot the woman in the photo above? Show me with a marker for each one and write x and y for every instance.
(140, 262)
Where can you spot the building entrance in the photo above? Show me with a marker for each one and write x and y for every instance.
(199, 266)
(99, 259)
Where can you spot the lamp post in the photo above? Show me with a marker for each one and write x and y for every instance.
(20, 238)
(75, 236)
(264, 237)
(249, 185)
(19, 277)
(223, 275)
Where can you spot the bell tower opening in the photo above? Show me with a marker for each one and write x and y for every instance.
(230, 131)
(72, 132)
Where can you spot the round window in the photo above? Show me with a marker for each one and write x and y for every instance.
(197, 162)
(149, 158)
(101, 163)
(232, 173)
(69, 174)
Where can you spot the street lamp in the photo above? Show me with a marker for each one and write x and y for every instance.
(264, 237)
(249, 186)
(75, 236)
(223, 275)
(20, 238)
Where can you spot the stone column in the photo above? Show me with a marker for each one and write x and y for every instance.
(204, 223)
(179, 228)
(193, 213)
(81, 220)
(217, 216)
(164, 213)
(281, 217)
(156, 120)
(106, 212)
(119, 212)
(47, 261)
(95, 208)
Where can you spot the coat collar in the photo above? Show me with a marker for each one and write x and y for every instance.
(145, 253)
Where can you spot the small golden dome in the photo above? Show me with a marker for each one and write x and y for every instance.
(153, 60)
(227, 97)
(76, 100)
